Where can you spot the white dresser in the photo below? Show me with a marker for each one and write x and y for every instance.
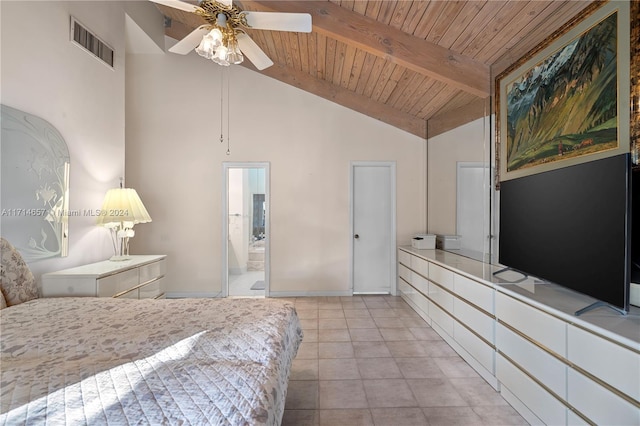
(523, 339)
(141, 277)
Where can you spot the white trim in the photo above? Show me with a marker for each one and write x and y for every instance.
(195, 295)
(393, 287)
(309, 293)
(226, 165)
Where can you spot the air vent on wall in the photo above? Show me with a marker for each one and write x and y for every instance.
(88, 41)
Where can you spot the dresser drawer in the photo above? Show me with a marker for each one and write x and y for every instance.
(614, 364)
(420, 265)
(404, 273)
(131, 294)
(404, 257)
(548, 331)
(476, 293)
(440, 275)
(151, 290)
(152, 270)
(117, 283)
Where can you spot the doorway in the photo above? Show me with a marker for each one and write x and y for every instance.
(245, 240)
(373, 227)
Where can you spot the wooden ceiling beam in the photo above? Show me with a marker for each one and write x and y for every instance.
(389, 43)
(346, 98)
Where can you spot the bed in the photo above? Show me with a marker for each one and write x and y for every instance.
(113, 361)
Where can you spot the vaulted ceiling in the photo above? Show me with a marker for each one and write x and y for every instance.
(423, 66)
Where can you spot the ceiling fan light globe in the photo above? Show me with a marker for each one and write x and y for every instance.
(235, 57)
(206, 48)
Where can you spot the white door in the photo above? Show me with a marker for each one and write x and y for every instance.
(373, 227)
(472, 207)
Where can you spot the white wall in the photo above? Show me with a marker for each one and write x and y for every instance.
(174, 160)
(44, 74)
(467, 143)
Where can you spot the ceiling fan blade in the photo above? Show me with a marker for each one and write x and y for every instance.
(177, 4)
(190, 42)
(277, 21)
(253, 52)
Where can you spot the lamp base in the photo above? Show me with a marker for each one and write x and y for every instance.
(119, 258)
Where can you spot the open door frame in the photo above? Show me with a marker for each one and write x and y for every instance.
(225, 222)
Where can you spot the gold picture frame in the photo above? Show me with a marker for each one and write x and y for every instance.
(549, 115)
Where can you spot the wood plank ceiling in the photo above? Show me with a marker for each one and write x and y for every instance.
(422, 66)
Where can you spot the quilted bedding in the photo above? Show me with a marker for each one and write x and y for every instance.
(111, 361)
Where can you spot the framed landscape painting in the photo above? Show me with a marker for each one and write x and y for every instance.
(565, 102)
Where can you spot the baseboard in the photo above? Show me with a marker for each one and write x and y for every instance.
(309, 293)
(194, 295)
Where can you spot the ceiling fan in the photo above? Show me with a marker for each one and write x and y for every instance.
(223, 38)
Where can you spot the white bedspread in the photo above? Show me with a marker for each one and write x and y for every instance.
(111, 361)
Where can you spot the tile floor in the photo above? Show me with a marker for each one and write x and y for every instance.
(371, 360)
(240, 284)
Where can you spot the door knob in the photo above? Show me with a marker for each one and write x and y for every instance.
(356, 236)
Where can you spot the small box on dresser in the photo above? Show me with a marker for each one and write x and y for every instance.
(140, 277)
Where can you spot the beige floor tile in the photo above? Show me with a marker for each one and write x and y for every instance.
(425, 333)
(407, 349)
(382, 313)
(337, 305)
(338, 369)
(346, 417)
(354, 305)
(334, 335)
(301, 418)
(332, 323)
(499, 415)
(436, 348)
(419, 368)
(307, 350)
(414, 322)
(335, 350)
(302, 395)
(342, 394)
(330, 313)
(435, 393)
(389, 393)
(378, 368)
(361, 323)
(455, 367)
(371, 350)
(477, 392)
(395, 334)
(310, 336)
(307, 313)
(356, 313)
(347, 374)
(389, 322)
(375, 302)
(365, 335)
(398, 417)
(309, 324)
(304, 369)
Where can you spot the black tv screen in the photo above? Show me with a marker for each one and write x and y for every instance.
(571, 226)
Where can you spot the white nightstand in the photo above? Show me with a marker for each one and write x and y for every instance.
(141, 277)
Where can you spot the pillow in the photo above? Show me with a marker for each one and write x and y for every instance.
(16, 280)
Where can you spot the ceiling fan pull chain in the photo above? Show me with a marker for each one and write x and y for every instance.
(221, 105)
(228, 112)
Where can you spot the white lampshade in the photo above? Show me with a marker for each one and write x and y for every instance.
(122, 205)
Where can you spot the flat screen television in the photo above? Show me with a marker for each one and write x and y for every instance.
(572, 226)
